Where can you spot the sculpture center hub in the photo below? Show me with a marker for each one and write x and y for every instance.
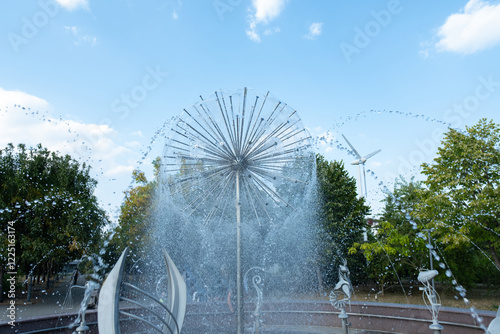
(241, 164)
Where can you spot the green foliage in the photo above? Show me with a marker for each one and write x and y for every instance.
(461, 202)
(135, 217)
(458, 202)
(341, 216)
(396, 251)
(50, 200)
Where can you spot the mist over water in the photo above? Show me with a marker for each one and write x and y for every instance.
(207, 254)
(238, 156)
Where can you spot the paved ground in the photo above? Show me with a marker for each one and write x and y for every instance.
(46, 302)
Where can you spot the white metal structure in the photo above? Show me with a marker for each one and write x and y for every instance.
(494, 327)
(173, 310)
(240, 148)
(361, 161)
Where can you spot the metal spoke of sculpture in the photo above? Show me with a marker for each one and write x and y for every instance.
(174, 307)
(238, 148)
(229, 139)
(341, 295)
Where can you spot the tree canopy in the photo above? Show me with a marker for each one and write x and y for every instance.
(395, 251)
(50, 200)
(461, 202)
(135, 217)
(341, 215)
(457, 202)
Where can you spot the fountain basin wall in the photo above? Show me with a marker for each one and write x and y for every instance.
(217, 318)
(398, 318)
(49, 324)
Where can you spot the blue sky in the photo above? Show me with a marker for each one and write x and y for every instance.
(105, 75)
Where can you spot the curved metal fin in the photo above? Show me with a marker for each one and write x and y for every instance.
(177, 297)
(494, 327)
(107, 308)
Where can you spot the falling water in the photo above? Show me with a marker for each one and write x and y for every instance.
(261, 141)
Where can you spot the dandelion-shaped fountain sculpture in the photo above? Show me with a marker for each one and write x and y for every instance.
(431, 297)
(239, 148)
(341, 295)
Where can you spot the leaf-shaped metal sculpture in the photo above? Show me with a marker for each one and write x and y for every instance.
(108, 309)
(109, 297)
(177, 294)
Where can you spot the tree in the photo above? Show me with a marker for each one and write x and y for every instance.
(135, 217)
(341, 216)
(49, 198)
(461, 202)
(397, 249)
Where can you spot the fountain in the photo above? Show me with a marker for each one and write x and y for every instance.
(238, 169)
(236, 195)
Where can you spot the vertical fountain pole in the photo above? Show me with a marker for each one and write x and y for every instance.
(429, 243)
(239, 286)
(430, 253)
(227, 136)
(345, 325)
(30, 287)
(435, 326)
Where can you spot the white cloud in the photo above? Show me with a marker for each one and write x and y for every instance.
(263, 12)
(325, 140)
(92, 40)
(81, 38)
(27, 119)
(72, 29)
(120, 170)
(11, 98)
(475, 28)
(73, 4)
(267, 10)
(23, 121)
(133, 144)
(425, 50)
(175, 16)
(275, 30)
(315, 30)
(252, 34)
